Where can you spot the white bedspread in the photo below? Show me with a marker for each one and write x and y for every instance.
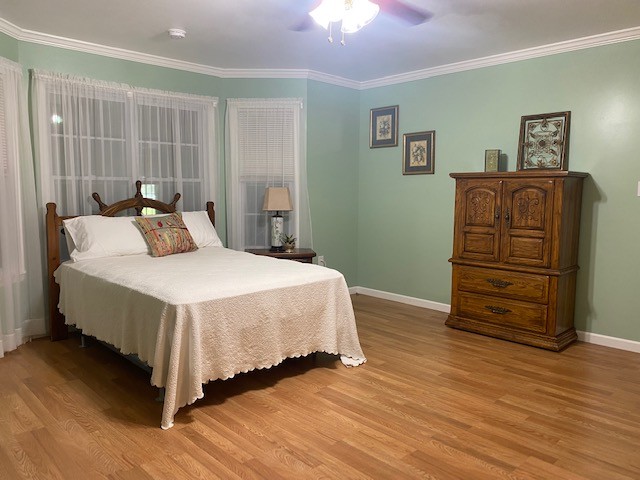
(209, 314)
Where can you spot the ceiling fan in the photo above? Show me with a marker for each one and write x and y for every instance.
(355, 14)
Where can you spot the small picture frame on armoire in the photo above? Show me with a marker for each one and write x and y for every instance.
(492, 160)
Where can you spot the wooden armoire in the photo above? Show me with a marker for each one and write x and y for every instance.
(515, 255)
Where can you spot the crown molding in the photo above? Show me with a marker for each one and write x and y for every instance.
(10, 29)
(618, 36)
(510, 57)
(290, 73)
(103, 50)
(122, 54)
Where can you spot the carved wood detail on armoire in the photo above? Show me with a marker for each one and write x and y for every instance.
(515, 255)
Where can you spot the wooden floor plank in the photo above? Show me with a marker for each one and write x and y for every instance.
(430, 403)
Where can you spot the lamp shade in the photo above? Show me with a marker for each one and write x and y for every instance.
(277, 199)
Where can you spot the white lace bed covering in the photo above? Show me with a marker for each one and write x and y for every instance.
(209, 314)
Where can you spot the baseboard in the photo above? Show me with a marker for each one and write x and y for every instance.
(587, 337)
(613, 342)
(395, 297)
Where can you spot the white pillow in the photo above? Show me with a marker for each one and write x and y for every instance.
(201, 229)
(96, 236)
(71, 247)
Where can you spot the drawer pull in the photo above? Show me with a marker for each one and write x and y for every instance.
(499, 283)
(498, 310)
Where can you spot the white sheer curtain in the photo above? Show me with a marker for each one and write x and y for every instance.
(21, 280)
(176, 149)
(265, 148)
(96, 136)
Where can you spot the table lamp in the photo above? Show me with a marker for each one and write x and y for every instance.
(277, 199)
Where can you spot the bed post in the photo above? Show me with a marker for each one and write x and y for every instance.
(212, 213)
(59, 330)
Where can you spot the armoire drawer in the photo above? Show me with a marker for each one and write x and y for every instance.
(500, 311)
(513, 285)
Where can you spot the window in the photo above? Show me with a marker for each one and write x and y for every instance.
(103, 137)
(265, 150)
(148, 190)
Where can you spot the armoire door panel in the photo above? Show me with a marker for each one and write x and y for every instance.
(526, 229)
(524, 250)
(479, 244)
(477, 227)
(481, 206)
(528, 209)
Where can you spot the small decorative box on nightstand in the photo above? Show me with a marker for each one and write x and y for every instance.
(304, 255)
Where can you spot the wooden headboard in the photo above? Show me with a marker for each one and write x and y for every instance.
(58, 328)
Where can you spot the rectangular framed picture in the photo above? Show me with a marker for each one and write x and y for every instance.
(544, 141)
(418, 153)
(383, 127)
(492, 160)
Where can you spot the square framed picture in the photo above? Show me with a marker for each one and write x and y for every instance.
(544, 141)
(383, 127)
(418, 153)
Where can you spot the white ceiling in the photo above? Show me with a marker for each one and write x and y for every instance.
(255, 34)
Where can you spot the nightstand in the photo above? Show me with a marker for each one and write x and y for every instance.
(304, 255)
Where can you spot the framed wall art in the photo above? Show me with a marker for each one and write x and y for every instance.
(544, 141)
(492, 160)
(418, 153)
(383, 127)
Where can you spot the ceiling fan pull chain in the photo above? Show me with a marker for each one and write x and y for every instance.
(342, 42)
(330, 34)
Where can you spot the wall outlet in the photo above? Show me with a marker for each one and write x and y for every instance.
(321, 261)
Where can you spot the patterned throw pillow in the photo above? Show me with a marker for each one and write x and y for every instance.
(166, 235)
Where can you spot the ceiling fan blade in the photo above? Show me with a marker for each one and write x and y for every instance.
(407, 13)
(304, 21)
(304, 24)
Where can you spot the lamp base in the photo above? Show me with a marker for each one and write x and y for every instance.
(277, 226)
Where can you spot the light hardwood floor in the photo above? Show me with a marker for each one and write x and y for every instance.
(431, 402)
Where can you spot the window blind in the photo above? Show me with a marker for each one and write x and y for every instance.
(266, 146)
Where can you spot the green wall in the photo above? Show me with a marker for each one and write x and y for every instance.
(393, 233)
(405, 222)
(8, 47)
(332, 133)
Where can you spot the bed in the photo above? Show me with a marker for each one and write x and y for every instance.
(199, 316)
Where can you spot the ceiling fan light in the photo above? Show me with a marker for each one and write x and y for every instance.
(361, 13)
(329, 11)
